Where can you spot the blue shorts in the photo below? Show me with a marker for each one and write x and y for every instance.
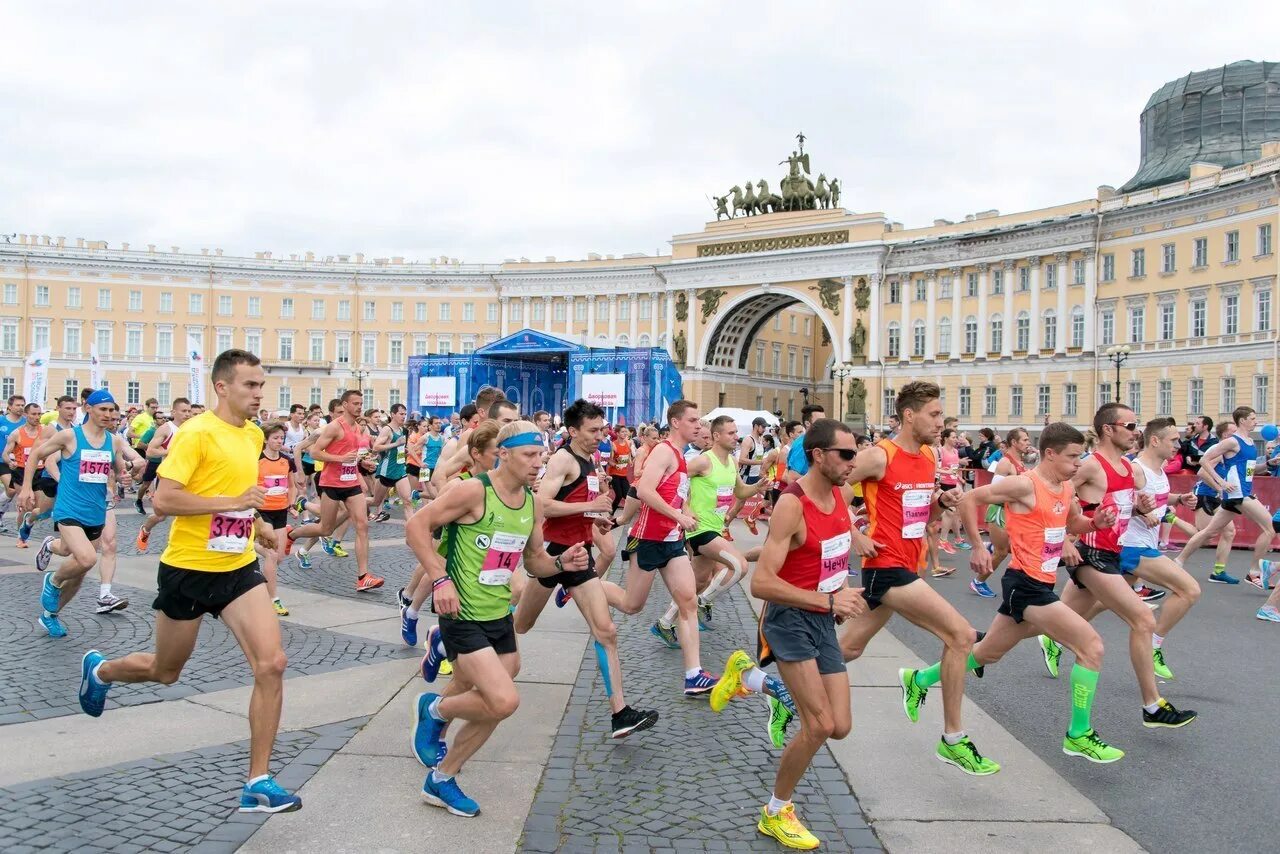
(1131, 555)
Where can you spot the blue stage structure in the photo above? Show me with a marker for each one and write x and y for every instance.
(541, 371)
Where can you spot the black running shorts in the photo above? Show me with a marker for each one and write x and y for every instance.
(185, 594)
(653, 555)
(463, 636)
(570, 577)
(1021, 591)
(880, 580)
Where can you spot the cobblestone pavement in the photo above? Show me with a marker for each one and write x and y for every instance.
(179, 802)
(337, 576)
(696, 781)
(40, 676)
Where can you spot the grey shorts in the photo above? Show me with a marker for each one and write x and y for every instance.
(794, 634)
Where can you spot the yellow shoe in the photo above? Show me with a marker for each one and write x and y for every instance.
(786, 828)
(446, 668)
(281, 610)
(730, 683)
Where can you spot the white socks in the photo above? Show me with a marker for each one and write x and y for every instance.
(776, 806)
(104, 590)
(1156, 641)
(753, 680)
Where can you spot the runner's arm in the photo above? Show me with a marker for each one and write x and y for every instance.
(1211, 458)
(536, 559)
(323, 439)
(550, 485)
(647, 486)
(124, 454)
(10, 445)
(383, 442)
(452, 505)
(745, 450)
(787, 519)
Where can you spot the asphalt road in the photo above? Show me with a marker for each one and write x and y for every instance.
(1207, 787)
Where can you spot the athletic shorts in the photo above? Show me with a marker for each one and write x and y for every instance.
(697, 541)
(388, 482)
(185, 594)
(277, 519)
(1130, 556)
(570, 577)
(631, 492)
(751, 479)
(5, 469)
(1108, 563)
(92, 532)
(149, 473)
(653, 555)
(879, 580)
(48, 486)
(794, 634)
(340, 493)
(1210, 503)
(308, 468)
(413, 470)
(463, 636)
(1021, 591)
(1275, 525)
(629, 546)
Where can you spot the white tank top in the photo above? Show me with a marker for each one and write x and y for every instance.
(1139, 533)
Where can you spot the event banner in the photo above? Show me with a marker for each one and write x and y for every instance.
(437, 391)
(195, 371)
(605, 390)
(95, 367)
(35, 377)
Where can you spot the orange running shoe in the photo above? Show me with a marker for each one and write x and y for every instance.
(751, 526)
(288, 543)
(141, 540)
(368, 582)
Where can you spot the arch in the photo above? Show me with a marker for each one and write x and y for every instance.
(512, 393)
(624, 340)
(725, 342)
(602, 340)
(536, 403)
(643, 340)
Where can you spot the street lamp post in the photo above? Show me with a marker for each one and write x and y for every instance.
(360, 376)
(1118, 354)
(841, 372)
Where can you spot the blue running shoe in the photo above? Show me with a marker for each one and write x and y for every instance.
(304, 560)
(981, 588)
(435, 655)
(50, 596)
(1270, 572)
(408, 627)
(416, 495)
(773, 685)
(51, 624)
(666, 635)
(700, 684)
(300, 506)
(93, 693)
(266, 795)
(1221, 577)
(991, 548)
(563, 595)
(447, 794)
(427, 731)
(24, 531)
(327, 545)
(43, 555)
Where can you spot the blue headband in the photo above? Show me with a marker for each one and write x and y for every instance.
(520, 440)
(100, 396)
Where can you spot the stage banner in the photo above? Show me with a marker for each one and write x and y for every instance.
(195, 371)
(437, 391)
(605, 390)
(35, 377)
(95, 368)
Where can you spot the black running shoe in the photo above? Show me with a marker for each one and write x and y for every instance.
(1150, 594)
(1166, 715)
(981, 669)
(631, 720)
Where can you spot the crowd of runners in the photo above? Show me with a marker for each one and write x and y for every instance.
(506, 512)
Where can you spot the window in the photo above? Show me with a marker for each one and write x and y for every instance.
(396, 356)
(446, 311)
(895, 293)
(1264, 240)
(1135, 396)
(760, 359)
(135, 301)
(224, 305)
(1262, 311)
(73, 297)
(971, 285)
(40, 336)
(102, 337)
(1109, 267)
(344, 351)
(1228, 394)
(285, 398)
(806, 364)
(420, 312)
(1137, 324)
(1195, 395)
(777, 360)
(646, 309)
(286, 346)
(559, 312)
(917, 339)
(468, 345)
(971, 334)
(580, 311)
(7, 386)
(420, 345)
(888, 402)
(9, 338)
(370, 310)
(944, 336)
(1167, 312)
(997, 282)
(317, 309)
(166, 302)
(132, 393)
(195, 303)
(1077, 327)
(1261, 391)
(393, 396)
(922, 290)
(1077, 271)
(286, 307)
(1230, 316)
(1024, 331)
(808, 326)
(1233, 254)
(1138, 265)
(1070, 399)
(893, 340)
(624, 309)
(164, 343)
(791, 363)
(1050, 277)
(491, 311)
(1108, 328)
(1164, 397)
(989, 401)
(255, 307)
(253, 342)
(1015, 401)
(1104, 393)
(164, 393)
(539, 311)
(71, 339)
(602, 310)
(316, 353)
(224, 340)
(965, 403)
(344, 309)
(1199, 318)
(1200, 248)
(316, 394)
(1042, 400)
(72, 388)
(1024, 279)
(397, 312)
(42, 295)
(997, 334)
(11, 295)
(1168, 258)
(133, 343)
(368, 350)
(469, 311)
(944, 288)
(1049, 340)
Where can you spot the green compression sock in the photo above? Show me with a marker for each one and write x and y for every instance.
(1084, 683)
(927, 677)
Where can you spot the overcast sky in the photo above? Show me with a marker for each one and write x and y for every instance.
(488, 131)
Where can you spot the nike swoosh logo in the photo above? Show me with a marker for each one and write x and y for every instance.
(525, 520)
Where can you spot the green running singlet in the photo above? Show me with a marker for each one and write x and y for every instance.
(481, 556)
(711, 495)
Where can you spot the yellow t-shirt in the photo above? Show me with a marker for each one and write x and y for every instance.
(141, 423)
(210, 457)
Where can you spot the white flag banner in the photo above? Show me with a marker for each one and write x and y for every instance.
(95, 368)
(605, 390)
(35, 377)
(437, 391)
(195, 371)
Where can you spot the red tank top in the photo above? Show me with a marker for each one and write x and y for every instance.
(568, 530)
(1036, 538)
(344, 475)
(898, 506)
(1120, 496)
(822, 562)
(673, 489)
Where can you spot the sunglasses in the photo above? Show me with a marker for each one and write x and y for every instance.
(1128, 425)
(846, 454)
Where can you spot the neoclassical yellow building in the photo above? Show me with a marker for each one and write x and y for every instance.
(1012, 314)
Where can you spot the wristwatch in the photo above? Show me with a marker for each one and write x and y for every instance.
(831, 604)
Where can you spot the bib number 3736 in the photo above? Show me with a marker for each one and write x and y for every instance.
(230, 532)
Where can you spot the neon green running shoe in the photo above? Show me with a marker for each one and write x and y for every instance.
(779, 717)
(1091, 747)
(1162, 669)
(338, 550)
(913, 696)
(1052, 651)
(730, 683)
(966, 757)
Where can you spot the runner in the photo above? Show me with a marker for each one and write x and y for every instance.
(619, 467)
(208, 482)
(897, 477)
(492, 522)
(344, 448)
(17, 449)
(14, 418)
(431, 448)
(46, 482)
(275, 478)
(413, 456)
(108, 543)
(392, 473)
(1208, 501)
(1010, 464)
(295, 429)
(157, 448)
(1040, 510)
(751, 463)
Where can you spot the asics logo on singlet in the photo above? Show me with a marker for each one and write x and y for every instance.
(482, 541)
(899, 487)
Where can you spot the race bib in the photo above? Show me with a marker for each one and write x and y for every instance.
(1124, 510)
(682, 491)
(915, 512)
(348, 472)
(502, 558)
(724, 500)
(835, 563)
(401, 455)
(1162, 503)
(94, 466)
(593, 492)
(276, 484)
(230, 531)
(1248, 470)
(1051, 553)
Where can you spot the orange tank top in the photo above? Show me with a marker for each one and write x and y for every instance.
(22, 449)
(273, 477)
(898, 507)
(413, 448)
(1036, 537)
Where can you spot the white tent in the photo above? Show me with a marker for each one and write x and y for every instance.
(742, 417)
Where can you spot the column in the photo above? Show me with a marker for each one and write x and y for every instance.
(526, 319)
(1064, 322)
(505, 314)
(546, 314)
(691, 359)
(873, 334)
(957, 325)
(653, 319)
(568, 317)
(904, 320)
(635, 317)
(591, 320)
(613, 320)
(931, 315)
(1090, 298)
(1006, 340)
(671, 324)
(984, 321)
(847, 327)
(1037, 327)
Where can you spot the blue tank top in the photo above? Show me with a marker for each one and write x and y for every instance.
(1239, 469)
(82, 491)
(431, 450)
(7, 427)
